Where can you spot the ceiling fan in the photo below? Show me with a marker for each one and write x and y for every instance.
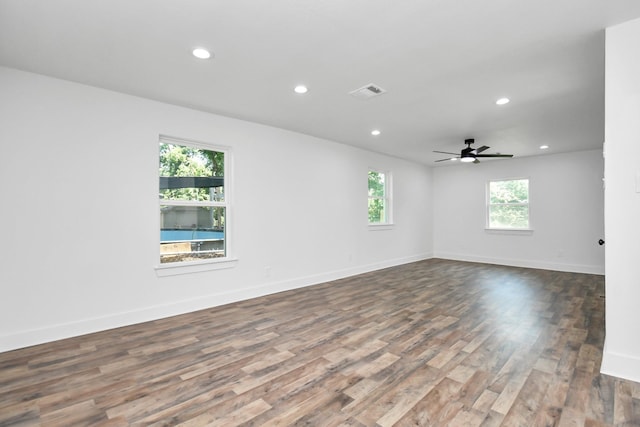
(468, 155)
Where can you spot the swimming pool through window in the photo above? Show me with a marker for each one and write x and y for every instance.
(193, 202)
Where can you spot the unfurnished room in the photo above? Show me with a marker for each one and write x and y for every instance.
(322, 213)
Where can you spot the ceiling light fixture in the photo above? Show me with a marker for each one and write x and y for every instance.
(375, 132)
(201, 53)
(502, 101)
(544, 147)
(467, 159)
(300, 89)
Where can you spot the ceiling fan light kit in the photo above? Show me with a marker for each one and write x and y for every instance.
(201, 53)
(470, 155)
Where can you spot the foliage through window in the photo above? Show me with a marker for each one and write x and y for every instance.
(193, 203)
(508, 204)
(379, 200)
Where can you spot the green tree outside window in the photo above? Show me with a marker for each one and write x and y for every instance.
(509, 204)
(377, 198)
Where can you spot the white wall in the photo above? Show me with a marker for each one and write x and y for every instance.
(622, 201)
(80, 216)
(566, 213)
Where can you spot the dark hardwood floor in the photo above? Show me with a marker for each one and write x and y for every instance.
(432, 343)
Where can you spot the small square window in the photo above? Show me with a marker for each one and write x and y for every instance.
(508, 204)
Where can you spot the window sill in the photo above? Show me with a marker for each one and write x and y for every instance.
(510, 231)
(174, 269)
(380, 227)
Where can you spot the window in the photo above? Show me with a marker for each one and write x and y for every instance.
(508, 204)
(193, 202)
(379, 198)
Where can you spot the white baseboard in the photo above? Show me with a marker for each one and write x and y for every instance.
(620, 365)
(543, 265)
(67, 330)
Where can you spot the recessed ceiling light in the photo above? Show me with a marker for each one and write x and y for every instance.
(201, 53)
(375, 132)
(502, 101)
(544, 147)
(301, 89)
(453, 159)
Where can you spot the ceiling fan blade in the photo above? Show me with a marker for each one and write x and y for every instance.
(444, 160)
(470, 154)
(494, 155)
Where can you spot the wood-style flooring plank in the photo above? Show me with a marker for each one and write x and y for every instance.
(432, 343)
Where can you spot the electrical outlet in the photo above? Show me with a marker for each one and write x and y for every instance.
(267, 271)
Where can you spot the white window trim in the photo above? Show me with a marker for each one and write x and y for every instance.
(505, 230)
(228, 261)
(388, 198)
(380, 227)
(188, 267)
(510, 231)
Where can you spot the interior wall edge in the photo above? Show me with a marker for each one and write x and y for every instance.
(86, 326)
(620, 365)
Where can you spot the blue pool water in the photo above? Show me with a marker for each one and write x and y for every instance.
(177, 235)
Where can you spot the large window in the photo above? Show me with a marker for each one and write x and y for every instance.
(508, 204)
(193, 202)
(379, 198)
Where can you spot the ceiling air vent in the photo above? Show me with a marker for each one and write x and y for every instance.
(367, 91)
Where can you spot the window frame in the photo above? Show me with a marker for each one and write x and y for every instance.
(227, 261)
(488, 206)
(387, 200)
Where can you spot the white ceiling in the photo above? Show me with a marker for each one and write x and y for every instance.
(443, 63)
